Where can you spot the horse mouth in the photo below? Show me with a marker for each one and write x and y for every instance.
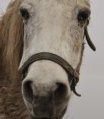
(52, 116)
(32, 117)
(47, 116)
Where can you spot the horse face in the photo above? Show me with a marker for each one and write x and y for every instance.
(55, 26)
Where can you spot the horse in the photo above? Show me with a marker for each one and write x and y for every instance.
(41, 51)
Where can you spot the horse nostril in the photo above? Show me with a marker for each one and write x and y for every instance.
(61, 91)
(27, 91)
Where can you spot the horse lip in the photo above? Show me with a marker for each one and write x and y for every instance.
(45, 108)
(46, 113)
(32, 117)
(52, 116)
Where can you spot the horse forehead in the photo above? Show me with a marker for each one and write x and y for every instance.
(83, 3)
(35, 2)
(67, 5)
(80, 2)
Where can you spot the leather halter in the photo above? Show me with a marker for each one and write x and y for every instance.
(73, 76)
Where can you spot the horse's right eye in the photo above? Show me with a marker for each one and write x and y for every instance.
(24, 13)
(83, 16)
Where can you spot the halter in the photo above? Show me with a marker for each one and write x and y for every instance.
(73, 75)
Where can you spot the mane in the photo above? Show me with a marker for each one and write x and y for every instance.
(11, 38)
(11, 44)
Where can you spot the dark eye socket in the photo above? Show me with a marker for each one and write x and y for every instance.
(24, 13)
(83, 16)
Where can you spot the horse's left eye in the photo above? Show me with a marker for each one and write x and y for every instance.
(24, 13)
(83, 16)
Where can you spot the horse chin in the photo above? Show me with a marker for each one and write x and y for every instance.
(47, 111)
(59, 116)
(46, 118)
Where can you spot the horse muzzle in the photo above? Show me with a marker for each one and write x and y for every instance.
(47, 85)
(47, 102)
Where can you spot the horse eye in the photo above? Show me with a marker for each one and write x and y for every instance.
(83, 16)
(24, 13)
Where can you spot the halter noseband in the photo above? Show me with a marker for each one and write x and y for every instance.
(73, 76)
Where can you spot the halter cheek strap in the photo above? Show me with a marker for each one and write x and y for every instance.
(90, 43)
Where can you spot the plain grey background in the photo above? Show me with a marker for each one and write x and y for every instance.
(91, 85)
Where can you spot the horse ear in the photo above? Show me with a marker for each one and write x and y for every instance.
(90, 43)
